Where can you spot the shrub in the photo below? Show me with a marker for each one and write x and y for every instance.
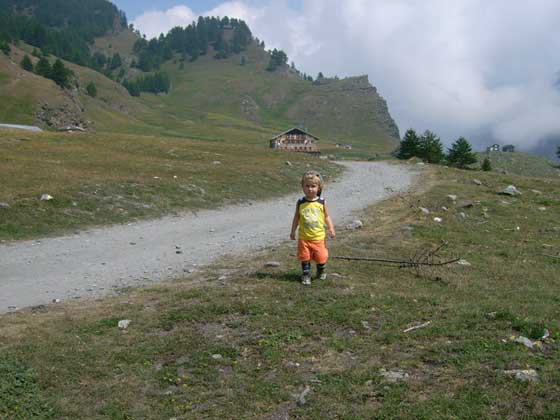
(26, 63)
(486, 165)
(91, 89)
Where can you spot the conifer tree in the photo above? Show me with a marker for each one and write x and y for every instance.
(91, 89)
(5, 47)
(460, 154)
(43, 67)
(430, 148)
(60, 74)
(409, 145)
(26, 63)
(116, 61)
(486, 165)
(558, 152)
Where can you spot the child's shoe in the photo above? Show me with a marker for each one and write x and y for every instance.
(306, 279)
(321, 273)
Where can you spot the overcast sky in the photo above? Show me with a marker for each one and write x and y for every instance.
(481, 69)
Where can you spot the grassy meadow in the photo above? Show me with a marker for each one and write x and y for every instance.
(106, 178)
(240, 340)
(521, 163)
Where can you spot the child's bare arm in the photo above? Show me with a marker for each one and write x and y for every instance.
(329, 222)
(295, 223)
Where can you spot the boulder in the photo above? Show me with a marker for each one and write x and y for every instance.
(510, 190)
(273, 264)
(123, 324)
(525, 375)
(354, 224)
(394, 375)
(464, 204)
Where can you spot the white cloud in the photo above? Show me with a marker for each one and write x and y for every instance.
(154, 22)
(456, 67)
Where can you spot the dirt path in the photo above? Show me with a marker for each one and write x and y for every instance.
(96, 262)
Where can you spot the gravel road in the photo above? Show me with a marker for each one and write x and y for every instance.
(99, 261)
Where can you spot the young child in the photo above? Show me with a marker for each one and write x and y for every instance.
(313, 220)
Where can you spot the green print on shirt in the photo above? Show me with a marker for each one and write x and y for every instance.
(311, 218)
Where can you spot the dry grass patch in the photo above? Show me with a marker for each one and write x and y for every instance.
(100, 179)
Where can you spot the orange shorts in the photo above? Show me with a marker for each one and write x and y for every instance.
(313, 250)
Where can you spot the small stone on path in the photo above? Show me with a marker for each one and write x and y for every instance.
(4, 206)
(273, 264)
(46, 197)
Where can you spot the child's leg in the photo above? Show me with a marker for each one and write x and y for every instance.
(305, 258)
(306, 276)
(321, 271)
(321, 257)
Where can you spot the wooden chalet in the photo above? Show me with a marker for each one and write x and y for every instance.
(295, 140)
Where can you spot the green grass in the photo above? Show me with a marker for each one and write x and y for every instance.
(101, 179)
(20, 395)
(520, 163)
(274, 338)
(12, 110)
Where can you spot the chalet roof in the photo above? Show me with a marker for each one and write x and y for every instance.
(295, 130)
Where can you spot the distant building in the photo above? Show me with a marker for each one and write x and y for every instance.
(493, 148)
(295, 140)
(508, 148)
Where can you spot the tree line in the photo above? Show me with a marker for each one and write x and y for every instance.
(57, 72)
(62, 28)
(429, 148)
(154, 83)
(225, 35)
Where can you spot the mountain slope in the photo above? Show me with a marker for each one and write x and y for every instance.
(229, 99)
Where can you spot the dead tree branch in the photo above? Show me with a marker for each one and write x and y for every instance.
(422, 258)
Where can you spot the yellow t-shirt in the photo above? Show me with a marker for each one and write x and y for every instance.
(311, 219)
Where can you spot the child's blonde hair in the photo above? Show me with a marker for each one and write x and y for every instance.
(314, 177)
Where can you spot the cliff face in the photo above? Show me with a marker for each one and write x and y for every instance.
(346, 110)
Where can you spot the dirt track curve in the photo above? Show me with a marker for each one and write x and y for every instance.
(98, 261)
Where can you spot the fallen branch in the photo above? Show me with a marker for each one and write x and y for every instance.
(424, 260)
(403, 263)
(425, 324)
